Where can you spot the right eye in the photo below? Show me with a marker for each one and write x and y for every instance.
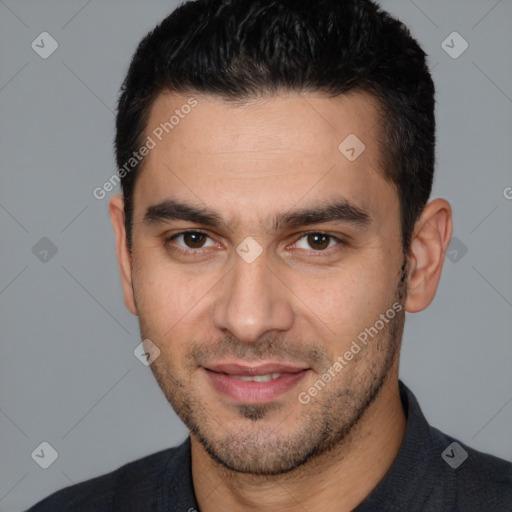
(188, 241)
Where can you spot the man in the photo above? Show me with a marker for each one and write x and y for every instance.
(276, 159)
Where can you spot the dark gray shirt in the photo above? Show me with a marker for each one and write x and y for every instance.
(431, 473)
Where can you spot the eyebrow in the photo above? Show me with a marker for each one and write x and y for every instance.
(339, 211)
(176, 210)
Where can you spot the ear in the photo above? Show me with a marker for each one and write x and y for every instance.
(430, 239)
(116, 208)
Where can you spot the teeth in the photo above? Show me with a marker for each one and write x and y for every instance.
(257, 378)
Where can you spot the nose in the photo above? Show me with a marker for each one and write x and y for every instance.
(252, 301)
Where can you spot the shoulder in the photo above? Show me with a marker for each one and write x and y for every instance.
(443, 473)
(102, 493)
(478, 478)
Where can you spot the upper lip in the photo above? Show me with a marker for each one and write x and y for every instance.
(263, 369)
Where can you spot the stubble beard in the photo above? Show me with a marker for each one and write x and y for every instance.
(257, 447)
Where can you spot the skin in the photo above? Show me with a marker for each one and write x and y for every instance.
(296, 303)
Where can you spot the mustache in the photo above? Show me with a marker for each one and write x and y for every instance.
(268, 347)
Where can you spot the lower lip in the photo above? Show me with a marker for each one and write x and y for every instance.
(251, 392)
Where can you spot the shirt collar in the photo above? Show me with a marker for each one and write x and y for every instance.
(405, 484)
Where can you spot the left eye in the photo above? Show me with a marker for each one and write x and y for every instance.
(317, 241)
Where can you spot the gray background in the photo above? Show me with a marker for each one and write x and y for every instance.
(68, 375)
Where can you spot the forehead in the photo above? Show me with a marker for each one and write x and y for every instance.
(294, 120)
(264, 154)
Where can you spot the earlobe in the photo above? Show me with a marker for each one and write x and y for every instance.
(430, 240)
(116, 208)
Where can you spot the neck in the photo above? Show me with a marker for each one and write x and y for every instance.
(338, 480)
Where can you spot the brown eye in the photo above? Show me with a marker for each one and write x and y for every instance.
(189, 240)
(318, 241)
(194, 240)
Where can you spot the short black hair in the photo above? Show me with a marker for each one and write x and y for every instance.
(243, 49)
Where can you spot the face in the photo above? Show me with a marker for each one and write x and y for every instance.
(261, 253)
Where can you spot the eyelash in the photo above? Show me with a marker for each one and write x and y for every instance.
(317, 253)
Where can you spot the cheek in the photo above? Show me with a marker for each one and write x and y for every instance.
(169, 298)
(166, 311)
(160, 294)
(348, 300)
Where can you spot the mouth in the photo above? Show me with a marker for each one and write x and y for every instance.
(254, 384)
